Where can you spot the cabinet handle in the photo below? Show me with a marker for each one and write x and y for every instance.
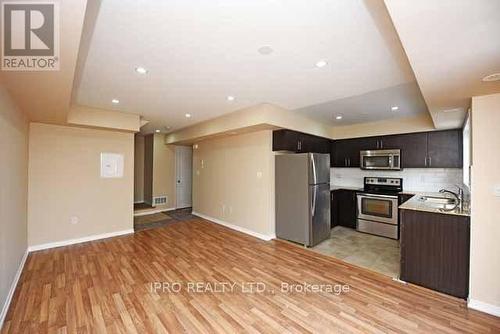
(425, 161)
(349, 161)
(430, 161)
(381, 144)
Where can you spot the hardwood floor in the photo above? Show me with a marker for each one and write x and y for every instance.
(106, 286)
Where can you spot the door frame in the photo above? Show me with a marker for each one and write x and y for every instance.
(177, 149)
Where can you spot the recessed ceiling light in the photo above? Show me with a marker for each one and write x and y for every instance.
(188, 115)
(395, 108)
(115, 101)
(492, 77)
(157, 131)
(321, 63)
(265, 50)
(141, 70)
(230, 98)
(339, 117)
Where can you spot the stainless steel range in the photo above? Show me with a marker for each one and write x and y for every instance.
(378, 206)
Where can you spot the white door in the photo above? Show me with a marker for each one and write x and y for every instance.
(183, 175)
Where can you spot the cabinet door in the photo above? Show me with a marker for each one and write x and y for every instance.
(334, 210)
(355, 146)
(445, 149)
(341, 152)
(346, 207)
(435, 251)
(313, 144)
(322, 145)
(332, 153)
(413, 148)
(285, 140)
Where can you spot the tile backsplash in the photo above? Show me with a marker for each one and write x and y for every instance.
(414, 179)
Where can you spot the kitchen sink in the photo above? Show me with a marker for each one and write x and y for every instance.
(443, 203)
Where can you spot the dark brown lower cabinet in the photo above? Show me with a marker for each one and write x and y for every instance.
(435, 251)
(344, 208)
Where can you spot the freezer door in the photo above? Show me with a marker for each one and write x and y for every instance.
(319, 227)
(319, 168)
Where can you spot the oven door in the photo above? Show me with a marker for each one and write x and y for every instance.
(379, 208)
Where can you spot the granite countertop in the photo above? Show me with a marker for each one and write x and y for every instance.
(415, 203)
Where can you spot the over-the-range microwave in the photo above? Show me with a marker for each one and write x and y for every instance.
(381, 159)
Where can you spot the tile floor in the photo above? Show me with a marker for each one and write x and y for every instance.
(365, 250)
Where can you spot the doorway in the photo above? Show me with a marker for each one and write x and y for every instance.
(184, 176)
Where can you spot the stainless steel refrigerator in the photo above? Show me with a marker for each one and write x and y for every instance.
(303, 197)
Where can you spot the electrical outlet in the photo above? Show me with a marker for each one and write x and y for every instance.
(259, 175)
(73, 220)
(223, 210)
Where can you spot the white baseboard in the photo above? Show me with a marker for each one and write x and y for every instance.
(484, 307)
(78, 240)
(235, 227)
(12, 289)
(151, 212)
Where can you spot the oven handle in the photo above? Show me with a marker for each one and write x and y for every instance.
(377, 196)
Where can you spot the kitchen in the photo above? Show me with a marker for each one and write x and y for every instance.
(398, 204)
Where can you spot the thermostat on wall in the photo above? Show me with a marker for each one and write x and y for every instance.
(111, 165)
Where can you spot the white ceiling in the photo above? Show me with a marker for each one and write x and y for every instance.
(371, 106)
(199, 52)
(451, 46)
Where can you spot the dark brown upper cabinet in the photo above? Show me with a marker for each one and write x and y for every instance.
(289, 140)
(413, 148)
(347, 150)
(444, 149)
(436, 149)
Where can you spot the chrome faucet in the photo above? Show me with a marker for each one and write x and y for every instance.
(459, 196)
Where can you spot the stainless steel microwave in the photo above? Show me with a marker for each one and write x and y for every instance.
(381, 159)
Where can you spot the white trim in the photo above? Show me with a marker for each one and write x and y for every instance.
(79, 240)
(484, 307)
(13, 286)
(235, 227)
(138, 202)
(150, 212)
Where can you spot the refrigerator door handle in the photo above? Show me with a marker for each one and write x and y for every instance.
(313, 204)
(314, 169)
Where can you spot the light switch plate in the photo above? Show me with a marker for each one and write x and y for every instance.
(496, 190)
(111, 165)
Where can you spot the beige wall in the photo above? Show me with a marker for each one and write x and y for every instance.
(385, 127)
(233, 181)
(100, 118)
(163, 171)
(485, 223)
(263, 116)
(64, 181)
(13, 191)
(159, 170)
(138, 168)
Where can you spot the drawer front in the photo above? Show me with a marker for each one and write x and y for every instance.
(385, 230)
